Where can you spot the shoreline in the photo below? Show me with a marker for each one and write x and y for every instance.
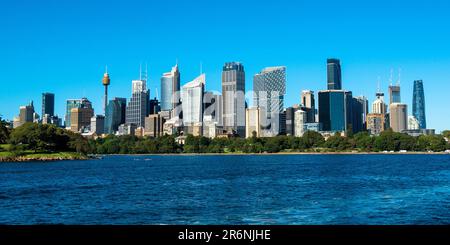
(52, 157)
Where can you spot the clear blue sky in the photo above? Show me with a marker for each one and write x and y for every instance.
(63, 46)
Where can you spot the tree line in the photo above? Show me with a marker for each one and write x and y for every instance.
(49, 138)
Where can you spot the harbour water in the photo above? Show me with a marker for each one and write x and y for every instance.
(245, 189)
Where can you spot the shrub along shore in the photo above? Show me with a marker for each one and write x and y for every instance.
(36, 142)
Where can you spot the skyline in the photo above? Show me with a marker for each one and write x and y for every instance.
(68, 57)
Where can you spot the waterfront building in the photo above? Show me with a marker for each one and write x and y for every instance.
(170, 89)
(154, 125)
(80, 119)
(48, 104)
(334, 74)
(269, 88)
(211, 127)
(334, 110)
(192, 102)
(138, 106)
(419, 104)
(75, 103)
(376, 123)
(98, 124)
(308, 104)
(105, 81)
(252, 122)
(413, 123)
(233, 95)
(398, 117)
(115, 114)
(299, 122)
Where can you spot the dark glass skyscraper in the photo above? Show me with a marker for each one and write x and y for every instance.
(115, 114)
(419, 104)
(333, 110)
(48, 104)
(334, 74)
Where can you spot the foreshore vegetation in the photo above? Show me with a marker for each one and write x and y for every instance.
(33, 141)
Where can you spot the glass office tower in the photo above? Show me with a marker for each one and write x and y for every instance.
(48, 104)
(419, 104)
(115, 114)
(334, 74)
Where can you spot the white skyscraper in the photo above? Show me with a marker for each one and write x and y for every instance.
(300, 118)
(192, 98)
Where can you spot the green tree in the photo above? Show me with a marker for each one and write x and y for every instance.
(313, 139)
(4, 131)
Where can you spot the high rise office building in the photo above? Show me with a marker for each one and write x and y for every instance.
(98, 124)
(375, 123)
(379, 106)
(154, 106)
(334, 74)
(75, 103)
(394, 94)
(333, 110)
(413, 123)
(26, 114)
(192, 103)
(398, 117)
(212, 104)
(48, 104)
(170, 89)
(419, 104)
(252, 122)
(138, 106)
(233, 95)
(290, 120)
(269, 88)
(359, 113)
(309, 105)
(115, 115)
(80, 118)
(300, 117)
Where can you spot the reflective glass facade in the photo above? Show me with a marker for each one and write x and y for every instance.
(419, 104)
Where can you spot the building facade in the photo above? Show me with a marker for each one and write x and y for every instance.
(98, 124)
(334, 74)
(80, 119)
(419, 104)
(170, 89)
(252, 122)
(300, 121)
(269, 87)
(138, 106)
(398, 117)
(75, 103)
(233, 95)
(308, 104)
(48, 104)
(333, 110)
(375, 123)
(115, 114)
(192, 101)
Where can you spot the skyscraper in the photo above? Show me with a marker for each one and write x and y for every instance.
(398, 117)
(359, 113)
(75, 103)
(115, 115)
(394, 94)
(138, 106)
(309, 105)
(212, 104)
(269, 87)
(419, 104)
(48, 104)
(334, 74)
(80, 118)
(299, 122)
(333, 106)
(192, 98)
(290, 120)
(252, 122)
(170, 89)
(105, 81)
(26, 114)
(233, 94)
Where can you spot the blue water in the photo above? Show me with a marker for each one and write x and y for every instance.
(279, 189)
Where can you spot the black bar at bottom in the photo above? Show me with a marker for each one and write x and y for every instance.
(224, 234)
